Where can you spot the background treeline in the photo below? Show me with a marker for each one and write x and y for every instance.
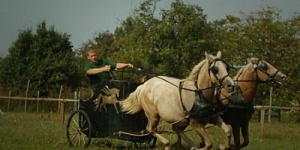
(161, 42)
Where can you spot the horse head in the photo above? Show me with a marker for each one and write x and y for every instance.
(218, 72)
(212, 74)
(115, 91)
(256, 71)
(266, 72)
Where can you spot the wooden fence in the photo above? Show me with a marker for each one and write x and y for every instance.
(61, 103)
(263, 109)
(61, 107)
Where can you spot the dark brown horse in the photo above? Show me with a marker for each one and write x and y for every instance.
(238, 114)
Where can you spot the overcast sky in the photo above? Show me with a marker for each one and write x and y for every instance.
(82, 19)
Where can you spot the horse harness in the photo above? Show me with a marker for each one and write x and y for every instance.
(263, 67)
(201, 108)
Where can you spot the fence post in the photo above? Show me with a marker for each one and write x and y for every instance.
(262, 120)
(270, 109)
(59, 96)
(8, 105)
(62, 111)
(38, 100)
(27, 89)
(75, 102)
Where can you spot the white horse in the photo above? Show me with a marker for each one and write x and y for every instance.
(183, 102)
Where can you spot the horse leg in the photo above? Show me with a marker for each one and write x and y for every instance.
(208, 143)
(165, 141)
(178, 128)
(245, 133)
(203, 135)
(97, 102)
(104, 106)
(202, 144)
(236, 135)
(116, 108)
(227, 129)
(151, 125)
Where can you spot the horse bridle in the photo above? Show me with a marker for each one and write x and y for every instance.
(214, 71)
(271, 77)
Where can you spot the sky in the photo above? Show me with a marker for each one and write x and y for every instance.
(83, 19)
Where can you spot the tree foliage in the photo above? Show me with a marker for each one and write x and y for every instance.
(45, 58)
(265, 35)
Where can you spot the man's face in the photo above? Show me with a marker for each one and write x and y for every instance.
(92, 57)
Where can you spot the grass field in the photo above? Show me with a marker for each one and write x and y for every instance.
(32, 131)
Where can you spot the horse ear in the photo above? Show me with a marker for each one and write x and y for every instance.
(208, 57)
(254, 61)
(254, 65)
(219, 54)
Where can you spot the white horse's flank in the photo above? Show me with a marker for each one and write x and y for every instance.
(171, 99)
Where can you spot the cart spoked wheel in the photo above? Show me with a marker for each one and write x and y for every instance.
(149, 144)
(79, 129)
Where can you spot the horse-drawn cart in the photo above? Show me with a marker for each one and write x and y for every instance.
(103, 118)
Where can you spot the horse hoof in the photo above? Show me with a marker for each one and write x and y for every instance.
(193, 148)
(222, 147)
(202, 144)
(244, 144)
(176, 146)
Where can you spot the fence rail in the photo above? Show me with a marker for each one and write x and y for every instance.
(61, 103)
(39, 99)
(276, 107)
(263, 109)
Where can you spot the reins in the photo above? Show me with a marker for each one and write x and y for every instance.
(196, 90)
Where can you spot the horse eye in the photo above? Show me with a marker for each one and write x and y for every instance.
(264, 66)
(214, 70)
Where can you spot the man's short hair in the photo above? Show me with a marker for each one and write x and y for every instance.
(90, 50)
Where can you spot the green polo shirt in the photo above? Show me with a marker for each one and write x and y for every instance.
(96, 79)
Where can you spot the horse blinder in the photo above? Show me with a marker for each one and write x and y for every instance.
(214, 69)
(263, 66)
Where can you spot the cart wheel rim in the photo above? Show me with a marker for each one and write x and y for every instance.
(78, 129)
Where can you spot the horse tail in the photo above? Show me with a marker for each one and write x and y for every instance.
(131, 104)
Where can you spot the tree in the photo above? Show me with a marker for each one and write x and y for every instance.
(263, 34)
(167, 45)
(45, 58)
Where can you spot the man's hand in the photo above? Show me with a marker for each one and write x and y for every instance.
(130, 65)
(106, 68)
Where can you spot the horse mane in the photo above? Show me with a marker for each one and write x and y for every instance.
(239, 73)
(195, 72)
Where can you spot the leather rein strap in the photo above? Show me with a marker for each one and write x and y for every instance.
(180, 87)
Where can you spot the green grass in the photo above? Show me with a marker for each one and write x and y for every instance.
(20, 131)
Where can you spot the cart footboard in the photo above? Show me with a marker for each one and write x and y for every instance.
(140, 139)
